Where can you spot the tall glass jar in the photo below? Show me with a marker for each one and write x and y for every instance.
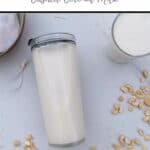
(54, 58)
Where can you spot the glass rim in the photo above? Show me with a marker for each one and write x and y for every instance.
(116, 43)
(51, 38)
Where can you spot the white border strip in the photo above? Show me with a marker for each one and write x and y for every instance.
(74, 5)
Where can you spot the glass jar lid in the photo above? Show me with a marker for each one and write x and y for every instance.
(51, 38)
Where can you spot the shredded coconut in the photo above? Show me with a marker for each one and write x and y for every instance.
(9, 30)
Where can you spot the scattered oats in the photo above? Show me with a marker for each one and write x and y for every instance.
(145, 89)
(130, 88)
(131, 100)
(117, 147)
(16, 143)
(92, 148)
(139, 98)
(121, 98)
(146, 118)
(29, 137)
(33, 147)
(126, 144)
(140, 105)
(124, 89)
(147, 100)
(116, 105)
(127, 88)
(139, 94)
(130, 147)
(27, 148)
(148, 122)
(120, 109)
(144, 147)
(147, 137)
(117, 108)
(136, 103)
(137, 141)
(121, 139)
(147, 112)
(114, 111)
(27, 143)
(130, 108)
(145, 74)
(133, 142)
(140, 132)
(127, 141)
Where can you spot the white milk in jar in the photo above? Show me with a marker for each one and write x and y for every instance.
(131, 32)
(54, 58)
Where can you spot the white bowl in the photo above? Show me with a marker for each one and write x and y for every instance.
(21, 18)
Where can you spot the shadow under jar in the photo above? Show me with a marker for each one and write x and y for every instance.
(56, 72)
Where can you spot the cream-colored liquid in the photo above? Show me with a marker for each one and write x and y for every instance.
(132, 32)
(59, 88)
